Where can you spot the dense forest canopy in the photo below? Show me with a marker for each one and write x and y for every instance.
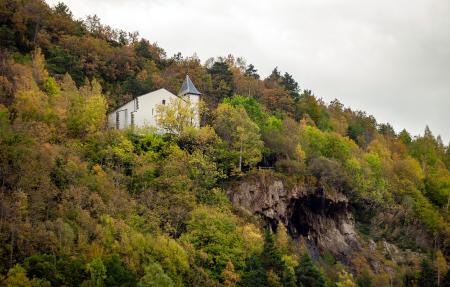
(84, 205)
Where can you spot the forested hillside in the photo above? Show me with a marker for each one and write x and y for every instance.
(83, 205)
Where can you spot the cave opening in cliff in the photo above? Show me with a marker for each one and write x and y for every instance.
(303, 211)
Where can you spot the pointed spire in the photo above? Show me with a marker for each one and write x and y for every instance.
(188, 88)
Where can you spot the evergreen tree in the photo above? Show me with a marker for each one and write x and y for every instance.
(117, 273)
(222, 80)
(289, 279)
(307, 273)
(251, 72)
(427, 276)
(275, 76)
(254, 274)
(405, 137)
(291, 85)
(271, 255)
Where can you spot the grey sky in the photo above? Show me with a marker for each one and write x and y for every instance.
(388, 58)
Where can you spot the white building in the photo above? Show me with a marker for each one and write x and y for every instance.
(141, 111)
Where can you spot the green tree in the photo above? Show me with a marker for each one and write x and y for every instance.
(117, 274)
(307, 273)
(43, 267)
(405, 137)
(254, 274)
(291, 85)
(217, 235)
(272, 257)
(97, 270)
(17, 277)
(308, 106)
(154, 276)
(250, 71)
(222, 83)
(87, 113)
(240, 133)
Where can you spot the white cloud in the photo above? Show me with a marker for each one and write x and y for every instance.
(389, 58)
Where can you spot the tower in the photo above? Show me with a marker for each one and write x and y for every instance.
(188, 90)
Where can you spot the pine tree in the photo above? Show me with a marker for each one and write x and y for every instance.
(291, 85)
(307, 273)
(271, 255)
(254, 274)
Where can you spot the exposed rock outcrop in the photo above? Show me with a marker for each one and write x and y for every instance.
(321, 215)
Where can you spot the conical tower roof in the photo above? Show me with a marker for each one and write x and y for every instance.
(188, 88)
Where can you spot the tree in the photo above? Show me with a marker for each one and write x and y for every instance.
(290, 85)
(229, 276)
(282, 238)
(307, 106)
(275, 76)
(273, 280)
(98, 272)
(42, 266)
(40, 74)
(277, 271)
(440, 266)
(87, 113)
(307, 273)
(251, 72)
(427, 276)
(254, 274)
(240, 134)
(345, 279)
(154, 276)
(177, 115)
(117, 273)
(216, 235)
(17, 277)
(222, 83)
(405, 137)
(62, 9)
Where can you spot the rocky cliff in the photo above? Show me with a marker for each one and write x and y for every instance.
(318, 213)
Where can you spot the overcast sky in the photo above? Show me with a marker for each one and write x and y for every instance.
(388, 58)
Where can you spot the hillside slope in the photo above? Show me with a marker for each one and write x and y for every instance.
(277, 188)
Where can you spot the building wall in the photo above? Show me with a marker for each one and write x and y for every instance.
(144, 109)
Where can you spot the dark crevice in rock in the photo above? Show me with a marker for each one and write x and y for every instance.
(322, 218)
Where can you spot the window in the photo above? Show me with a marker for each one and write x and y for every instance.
(137, 103)
(132, 119)
(117, 120)
(163, 102)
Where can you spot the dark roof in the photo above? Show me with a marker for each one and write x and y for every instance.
(188, 88)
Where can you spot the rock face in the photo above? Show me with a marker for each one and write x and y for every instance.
(322, 217)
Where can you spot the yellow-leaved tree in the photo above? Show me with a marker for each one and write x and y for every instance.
(177, 115)
(87, 113)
